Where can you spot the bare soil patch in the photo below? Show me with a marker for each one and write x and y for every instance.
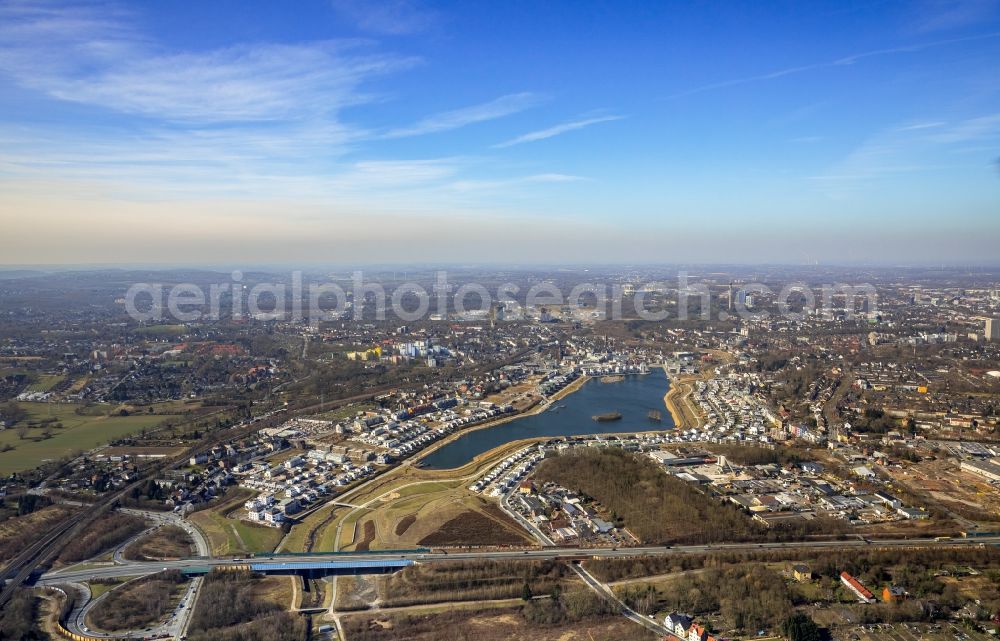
(405, 523)
(473, 528)
(369, 536)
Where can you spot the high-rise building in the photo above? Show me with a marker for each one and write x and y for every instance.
(992, 329)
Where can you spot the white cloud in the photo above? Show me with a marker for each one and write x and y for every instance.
(557, 130)
(454, 119)
(910, 148)
(920, 125)
(506, 184)
(974, 129)
(839, 62)
(248, 122)
(397, 173)
(392, 17)
(86, 56)
(247, 83)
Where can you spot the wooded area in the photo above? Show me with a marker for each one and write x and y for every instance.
(654, 506)
(471, 580)
(18, 618)
(108, 531)
(227, 610)
(138, 604)
(750, 597)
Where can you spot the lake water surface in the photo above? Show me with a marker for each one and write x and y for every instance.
(633, 398)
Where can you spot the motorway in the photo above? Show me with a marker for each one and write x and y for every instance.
(174, 626)
(169, 518)
(71, 578)
(142, 568)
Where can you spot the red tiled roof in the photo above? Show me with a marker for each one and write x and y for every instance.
(854, 583)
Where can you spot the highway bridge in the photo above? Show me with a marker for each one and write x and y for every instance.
(307, 569)
(317, 560)
(315, 565)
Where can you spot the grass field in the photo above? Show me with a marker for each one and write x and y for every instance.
(78, 384)
(97, 589)
(395, 495)
(348, 411)
(137, 604)
(79, 433)
(443, 512)
(234, 536)
(276, 589)
(46, 382)
(167, 542)
(161, 330)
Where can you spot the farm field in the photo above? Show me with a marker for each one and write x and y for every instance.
(78, 433)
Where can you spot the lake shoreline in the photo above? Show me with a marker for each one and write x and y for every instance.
(601, 402)
(534, 410)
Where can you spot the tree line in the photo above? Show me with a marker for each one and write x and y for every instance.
(471, 580)
(107, 532)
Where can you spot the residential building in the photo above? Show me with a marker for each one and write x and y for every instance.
(864, 595)
(801, 572)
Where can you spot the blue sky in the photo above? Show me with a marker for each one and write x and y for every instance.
(348, 131)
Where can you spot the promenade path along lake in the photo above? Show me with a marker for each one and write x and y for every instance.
(634, 398)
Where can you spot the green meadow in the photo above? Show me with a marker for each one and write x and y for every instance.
(79, 432)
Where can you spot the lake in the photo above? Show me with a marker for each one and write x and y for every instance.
(633, 397)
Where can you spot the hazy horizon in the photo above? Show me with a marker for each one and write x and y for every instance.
(315, 266)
